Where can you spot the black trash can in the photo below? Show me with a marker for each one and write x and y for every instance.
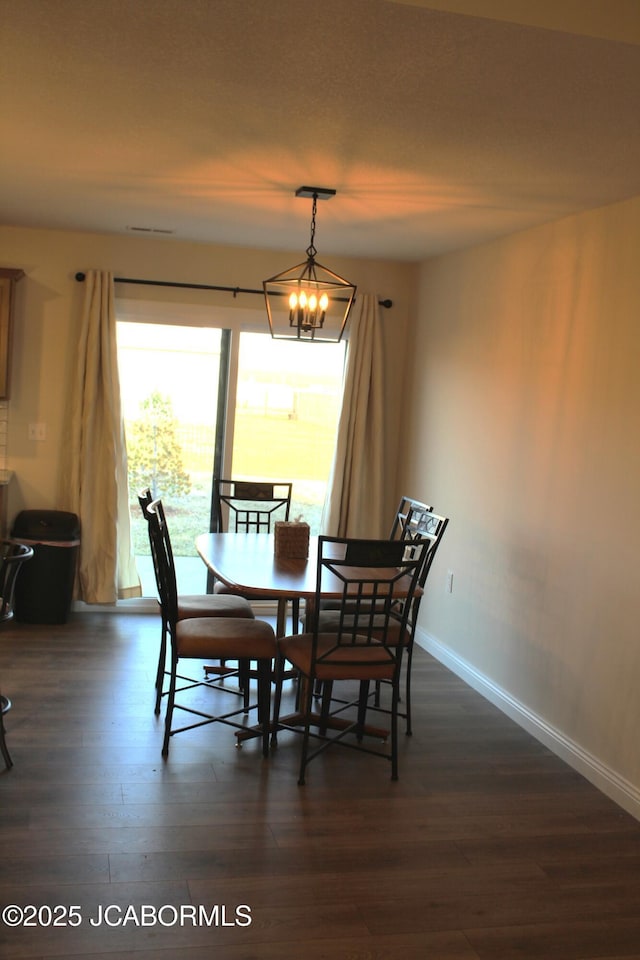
(44, 589)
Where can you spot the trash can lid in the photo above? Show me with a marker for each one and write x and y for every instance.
(46, 525)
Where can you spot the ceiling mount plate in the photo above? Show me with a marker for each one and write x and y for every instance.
(322, 193)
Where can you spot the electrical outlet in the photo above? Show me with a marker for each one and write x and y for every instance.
(37, 431)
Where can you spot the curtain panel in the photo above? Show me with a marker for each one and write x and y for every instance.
(354, 503)
(96, 486)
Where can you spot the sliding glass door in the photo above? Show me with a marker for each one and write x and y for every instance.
(200, 401)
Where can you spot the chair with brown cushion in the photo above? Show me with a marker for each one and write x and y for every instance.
(407, 506)
(418, 522)
(202, 638)
(376, 582)
(402, 516)
(13, 555)
(190, 606)
(248, 506)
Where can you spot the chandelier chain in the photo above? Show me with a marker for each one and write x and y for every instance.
(311, 250)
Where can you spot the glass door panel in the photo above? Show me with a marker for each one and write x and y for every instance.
(287, 405)
(170, 380)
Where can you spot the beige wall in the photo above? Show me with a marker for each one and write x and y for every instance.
(48, 309)
(526, 432)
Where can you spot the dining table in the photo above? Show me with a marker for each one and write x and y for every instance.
(247, 563)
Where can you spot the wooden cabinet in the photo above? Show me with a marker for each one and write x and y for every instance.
(8, 280)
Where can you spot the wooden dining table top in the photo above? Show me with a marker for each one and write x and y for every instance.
(246, 562)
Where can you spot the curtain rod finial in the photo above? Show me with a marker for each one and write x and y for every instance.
(80, 277)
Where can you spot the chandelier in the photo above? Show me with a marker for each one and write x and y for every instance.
(309, 301)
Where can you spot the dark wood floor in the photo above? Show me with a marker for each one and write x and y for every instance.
(488, 847)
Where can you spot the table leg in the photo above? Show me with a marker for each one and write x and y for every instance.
(281, 625)
(298, 719)
(330, 723)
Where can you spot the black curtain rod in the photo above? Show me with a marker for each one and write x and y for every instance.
(202, 286)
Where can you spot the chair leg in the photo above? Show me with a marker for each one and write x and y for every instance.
(394, 730)
(171, 696)
(264, 699)
(3, 744)
(327, 691)
(162, 657)
(408, 730)
(244, 680)
(306, 734)
(295, 615)
(362, 709)
(277, 697)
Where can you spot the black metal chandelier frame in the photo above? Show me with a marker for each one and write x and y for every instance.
(314, 294)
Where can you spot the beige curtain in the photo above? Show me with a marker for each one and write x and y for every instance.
(96, 485)
(354, 503)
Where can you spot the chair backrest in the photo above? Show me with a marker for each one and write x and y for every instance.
(403, 515)
(13, 555)
(163, 562)
(145, 499)
(421, 523)
(377, 581)
(424, 524)
(245, 506)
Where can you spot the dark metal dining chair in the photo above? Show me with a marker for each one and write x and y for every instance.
(418, 522)
(202, 638)
(13, 555)
(376, 582)
(407, 506)
(251, 506)
(404, 520)
(189, 606)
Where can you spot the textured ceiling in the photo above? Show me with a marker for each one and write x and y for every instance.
(438, 129)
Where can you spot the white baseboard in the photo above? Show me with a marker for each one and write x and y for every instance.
(621, 791)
